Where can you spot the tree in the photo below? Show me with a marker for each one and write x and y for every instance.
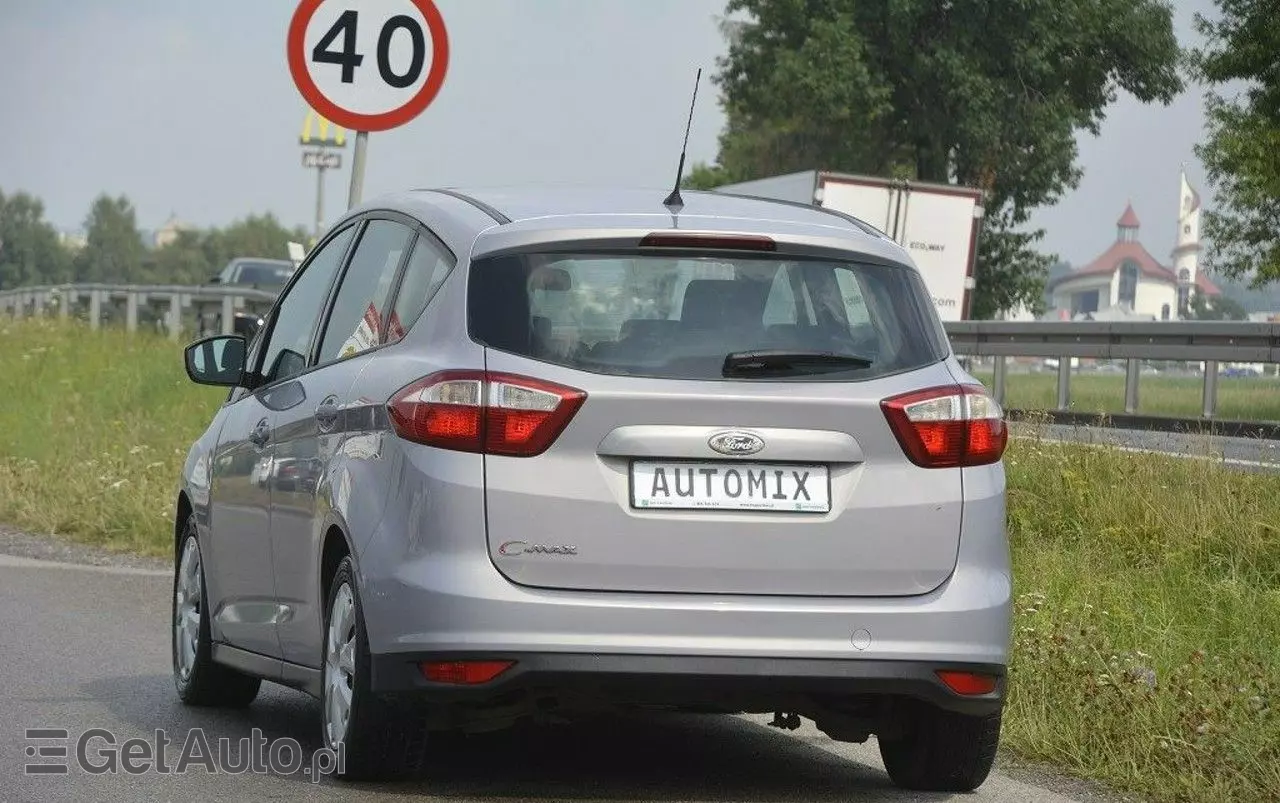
(706, 177)
(1216, 308)
(180, 261)
(1241, 152)
(31, 253)
(196, 255)
(252, 236)
(113, 252)
(977, 93)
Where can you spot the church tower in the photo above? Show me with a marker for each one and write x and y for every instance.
(1186, 254)
(1127, 226)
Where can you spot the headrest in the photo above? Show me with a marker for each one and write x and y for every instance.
(714, 303)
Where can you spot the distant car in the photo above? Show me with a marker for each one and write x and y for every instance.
(258, 274)
(1241, 371)
(515, 454)
(253, 272)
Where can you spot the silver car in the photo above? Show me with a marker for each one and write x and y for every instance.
(512, 455)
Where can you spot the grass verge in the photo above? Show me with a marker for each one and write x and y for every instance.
(1148, 621)
(1148, 617)
(94, 427)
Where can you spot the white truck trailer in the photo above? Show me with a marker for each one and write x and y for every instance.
(938, 224)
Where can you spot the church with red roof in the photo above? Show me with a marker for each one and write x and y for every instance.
(1126, 282)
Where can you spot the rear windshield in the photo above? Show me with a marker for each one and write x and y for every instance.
(680, 318)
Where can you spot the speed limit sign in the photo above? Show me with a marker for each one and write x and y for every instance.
(368, 65)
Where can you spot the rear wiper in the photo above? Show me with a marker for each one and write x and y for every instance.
(769, 360)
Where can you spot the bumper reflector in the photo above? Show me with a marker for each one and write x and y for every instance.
(464, 673)
(967, 683)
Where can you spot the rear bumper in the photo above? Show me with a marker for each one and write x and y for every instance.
(758, 684)
(454, 605)
(430, 591)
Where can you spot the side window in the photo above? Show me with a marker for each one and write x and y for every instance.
(356, 321)
(296, 316)
(780, 307)
(429, 264)
(855, 305)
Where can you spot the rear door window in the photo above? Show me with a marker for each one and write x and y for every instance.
(680, 317)
(855, 305)
(355, 324)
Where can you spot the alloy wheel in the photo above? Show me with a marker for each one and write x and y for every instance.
(339, 665)
(188, 598)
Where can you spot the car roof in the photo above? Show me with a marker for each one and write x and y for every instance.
(482, 219)
(517, 204)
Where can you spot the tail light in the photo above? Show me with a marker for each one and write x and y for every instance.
(483, 411)
(948, 427)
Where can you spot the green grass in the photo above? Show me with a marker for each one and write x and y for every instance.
(93, 431)
(1240, 399)
(1148, 622)
(1148, 617)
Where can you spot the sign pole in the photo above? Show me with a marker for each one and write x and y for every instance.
(357, 168)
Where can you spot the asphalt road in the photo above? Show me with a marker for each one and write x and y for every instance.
(84, 647)
(1244, 454)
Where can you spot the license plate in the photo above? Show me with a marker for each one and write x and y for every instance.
(730, 486)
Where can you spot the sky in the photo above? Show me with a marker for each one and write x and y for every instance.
(188, 108)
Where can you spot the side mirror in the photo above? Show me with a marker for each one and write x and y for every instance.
(216, 360)
(215, 279)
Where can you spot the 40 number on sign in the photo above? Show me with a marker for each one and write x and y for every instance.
(347, 58)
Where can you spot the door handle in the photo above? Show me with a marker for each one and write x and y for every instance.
(261, 434)
(327, 414)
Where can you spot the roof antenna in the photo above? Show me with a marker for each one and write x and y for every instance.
(674, 202)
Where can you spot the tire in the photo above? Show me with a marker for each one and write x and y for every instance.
(379, 740)
(942, 751)
(200, 681)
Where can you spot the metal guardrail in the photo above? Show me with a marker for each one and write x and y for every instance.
(1207, 342)
(212, 308)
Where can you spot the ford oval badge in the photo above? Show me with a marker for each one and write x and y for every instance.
(736, 443)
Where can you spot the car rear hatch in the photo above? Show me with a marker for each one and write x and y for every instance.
(694, 420)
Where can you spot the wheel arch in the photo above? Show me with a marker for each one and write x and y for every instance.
(184, 509)
(335, 546)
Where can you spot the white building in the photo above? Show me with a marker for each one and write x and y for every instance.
(168, 233)
(73, 241)
(1126, 281)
